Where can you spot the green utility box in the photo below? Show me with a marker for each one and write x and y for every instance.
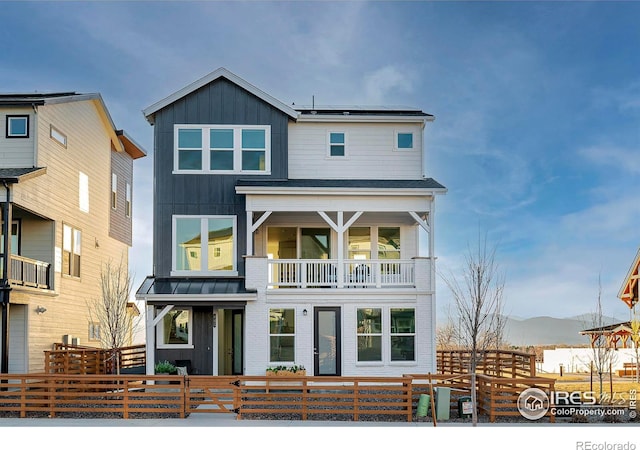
(465, 407)
(443, 403)
(423, 405)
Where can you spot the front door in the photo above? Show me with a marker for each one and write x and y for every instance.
(326, 352)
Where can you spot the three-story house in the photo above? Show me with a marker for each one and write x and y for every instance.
(288, 235)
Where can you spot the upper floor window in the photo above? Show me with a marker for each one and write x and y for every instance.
(83, 192)
(114, 190)
(337, 144)
(58, 136)
(204, 244)
(71, 251)
(404, 141)
(127, 204)
(222, 149)
(18, 126)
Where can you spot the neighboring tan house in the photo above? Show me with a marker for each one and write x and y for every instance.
(66, 180)
(288, 235)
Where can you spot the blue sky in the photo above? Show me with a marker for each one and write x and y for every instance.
(537, 109)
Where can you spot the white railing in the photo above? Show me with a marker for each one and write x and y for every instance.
(303, 273)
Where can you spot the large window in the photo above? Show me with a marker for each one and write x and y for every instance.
(403, 334)
(71, 251)
(175, 329)
(204, 244)
(282, 335)
(369, 333)
(223, 149)
(17, 126)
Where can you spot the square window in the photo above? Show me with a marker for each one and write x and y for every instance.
(404, 141)
(18, 126)
(175, 329)
(215, 252)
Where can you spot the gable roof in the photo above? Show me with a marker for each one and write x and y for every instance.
(150, 111)
(119, 138)
(629, 291)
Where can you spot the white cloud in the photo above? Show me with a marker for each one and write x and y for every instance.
(382, 83)
(622, 159)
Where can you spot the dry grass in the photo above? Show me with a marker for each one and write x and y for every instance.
(619, 389)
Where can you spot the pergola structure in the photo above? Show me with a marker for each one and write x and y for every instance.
(616, 335)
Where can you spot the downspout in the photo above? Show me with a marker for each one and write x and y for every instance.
(5, 286)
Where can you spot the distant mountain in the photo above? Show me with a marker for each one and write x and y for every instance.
(550, 330)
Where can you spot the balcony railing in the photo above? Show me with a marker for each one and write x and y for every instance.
(304, 273)
(28, 272)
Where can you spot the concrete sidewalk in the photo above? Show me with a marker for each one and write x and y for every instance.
(198, 420)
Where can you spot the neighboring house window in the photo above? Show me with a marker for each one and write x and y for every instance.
(83, 192)
(127, 205)
(337, 144)
(404, 141)
(94, 331)
(71, 251)
(223, 149)
(282, 335)
(18, 126)
(58, 136)
(193, 253)
(369, 333)
(114, 190)
(175, 329)
(15, 238)
(403, 334)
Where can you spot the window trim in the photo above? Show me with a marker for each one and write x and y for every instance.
(295, 327)
(58, 136)
(203, 232)
(160, 330)
(8, 133)
(397, 134)
(72, 253)
(205, 150)
(344, 144)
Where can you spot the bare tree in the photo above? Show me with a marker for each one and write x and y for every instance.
(111, 312)
(478, 301)
(446, 336)
(602, 354)
(635, 338)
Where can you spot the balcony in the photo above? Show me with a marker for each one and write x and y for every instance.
(29, 272)
(331, 273)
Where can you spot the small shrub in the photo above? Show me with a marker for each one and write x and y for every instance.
(165, 367)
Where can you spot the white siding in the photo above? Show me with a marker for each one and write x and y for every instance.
(17, 152)
(257, 348)
(370, 152)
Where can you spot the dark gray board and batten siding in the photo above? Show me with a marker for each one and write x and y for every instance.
(220, 102)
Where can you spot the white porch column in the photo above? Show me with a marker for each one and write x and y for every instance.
(340, 229)
(252, 227)
(150, 338)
